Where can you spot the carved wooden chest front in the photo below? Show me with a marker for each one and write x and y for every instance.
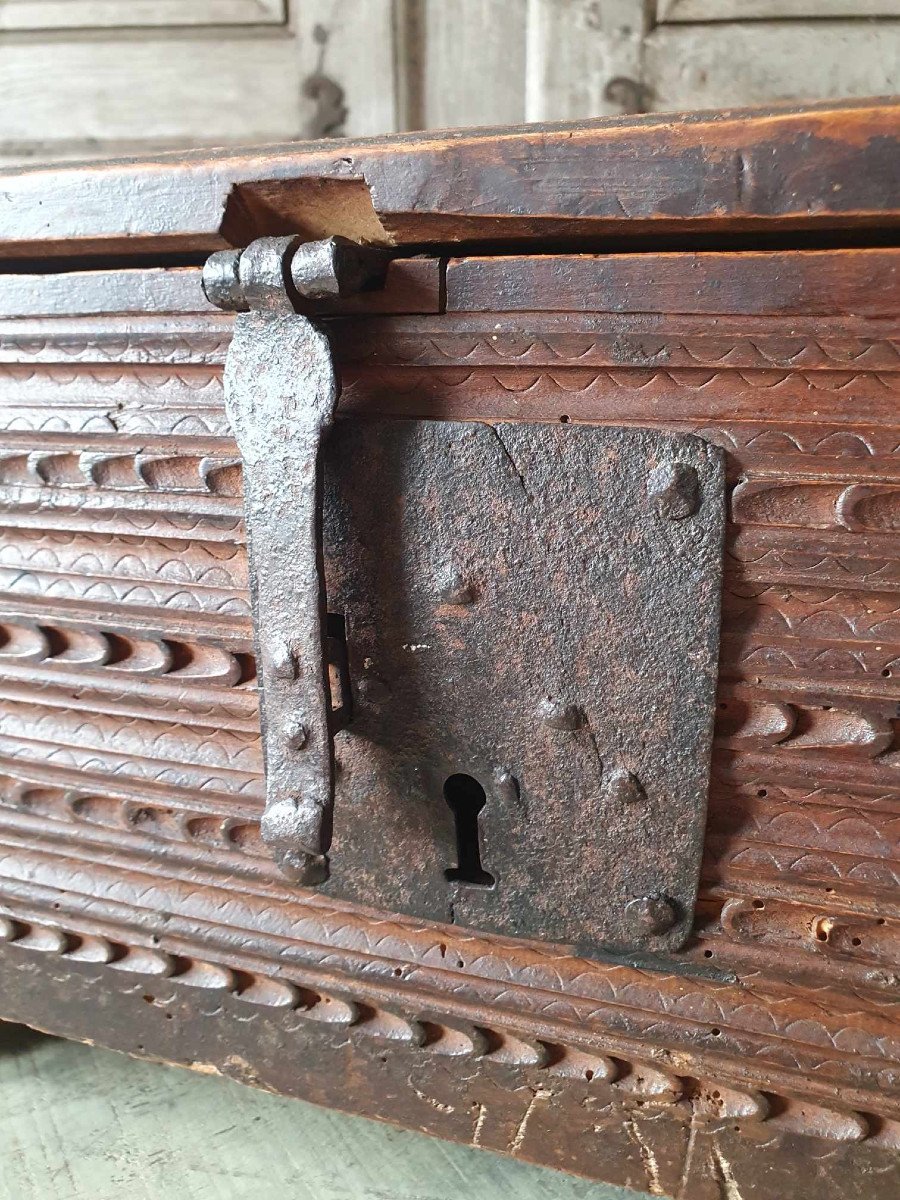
(539, 489)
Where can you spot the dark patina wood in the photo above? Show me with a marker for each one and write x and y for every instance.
(825, 167)
(139, 906)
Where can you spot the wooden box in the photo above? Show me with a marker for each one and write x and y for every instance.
(729, 275)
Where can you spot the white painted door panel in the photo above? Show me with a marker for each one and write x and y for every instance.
(758, 62)
(106, 77)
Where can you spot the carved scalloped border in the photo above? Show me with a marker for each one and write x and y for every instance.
(648, 1080)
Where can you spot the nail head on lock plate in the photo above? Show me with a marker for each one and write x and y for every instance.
(284, 663)
(457, 589)
(559, 715)
(674, 490)
(624, 788)
(651, 914)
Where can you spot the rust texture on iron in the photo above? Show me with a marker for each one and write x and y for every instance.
(532, 615)
(758, 1060)
(282, 391)
(513, 587)
(280, 395)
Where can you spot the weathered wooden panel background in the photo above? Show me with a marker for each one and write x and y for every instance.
(99, 77)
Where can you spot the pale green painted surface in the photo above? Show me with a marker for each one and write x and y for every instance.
(77, 1123)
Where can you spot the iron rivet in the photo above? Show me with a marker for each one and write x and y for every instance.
(650, 914)
(297, 736)
(559, 715)
(674, 490)
(457, 590)
(624, 788)
(284, 663)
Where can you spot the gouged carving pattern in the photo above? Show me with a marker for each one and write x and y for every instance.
(770, 654)
(854, 834)
(716, 1095)
(584, 381)
(178, 422)
(103, 568)
(173, 754)
(796, 1030)
(184, 347)
(210, 830)
(818, 504)
(232, 750)
(135, 522)
(207, 565)
(792, 794)
(134, 376)
(574, 348)
(823, 441)
(827, 931)
(759, 563)
(128, 400)
(113, 468)
(568, 979)
(816, 613)
(68, 646)
(53, 587)
(752, 722)
(193, 340)
(151, 700)
(814, 864)
(16, 378)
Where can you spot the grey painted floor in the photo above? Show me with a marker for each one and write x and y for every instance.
(77, 1123)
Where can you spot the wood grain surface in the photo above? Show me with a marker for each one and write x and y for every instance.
(128, 717)
(823, 167)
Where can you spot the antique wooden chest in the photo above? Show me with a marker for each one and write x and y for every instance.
(538, 489)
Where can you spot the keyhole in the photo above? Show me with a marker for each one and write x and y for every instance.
(465, 797)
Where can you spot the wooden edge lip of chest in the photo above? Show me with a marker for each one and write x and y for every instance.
(860, 282)
(411, 286)
(825, 167)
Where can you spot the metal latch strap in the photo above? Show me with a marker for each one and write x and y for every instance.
(281, 390)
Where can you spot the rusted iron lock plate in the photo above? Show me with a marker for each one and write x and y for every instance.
(532, 616)
(531, 622)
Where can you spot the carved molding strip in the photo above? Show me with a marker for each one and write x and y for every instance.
(117, 470)
(625, 346)
(401, 1018)
(636, 1083)
(676, 1010)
